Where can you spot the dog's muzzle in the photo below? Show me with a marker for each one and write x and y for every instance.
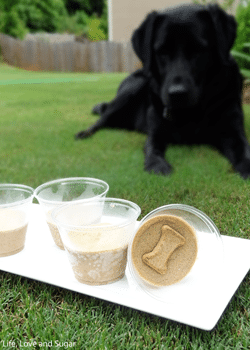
(178, 95)
(179, 92)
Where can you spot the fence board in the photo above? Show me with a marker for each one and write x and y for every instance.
(67, 55)
(62, 53)
(110, 57)
(95, 59)
(81, 57)
(29, 55)
(58, 57)
(18, 54)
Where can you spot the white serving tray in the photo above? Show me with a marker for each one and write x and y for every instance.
(41, 260)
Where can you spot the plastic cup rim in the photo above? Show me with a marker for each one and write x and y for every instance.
(69, 179)
(205, 218)
(140, 282)
(25, 188)
(105, 200)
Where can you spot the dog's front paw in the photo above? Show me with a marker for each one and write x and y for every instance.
(244, 169)
(82, 135)
(99, 108)
(158, 165)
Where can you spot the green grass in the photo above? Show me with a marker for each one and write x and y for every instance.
(37, 125)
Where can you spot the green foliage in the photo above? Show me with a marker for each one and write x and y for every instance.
(94, 27)
(243, 60)
(104, 19)
(13, 25)
(17, 17)
(76, 24)
(22, 16)
(41, 15)
(95, 32)
(240, 49)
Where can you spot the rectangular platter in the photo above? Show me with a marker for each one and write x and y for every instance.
(41, 260)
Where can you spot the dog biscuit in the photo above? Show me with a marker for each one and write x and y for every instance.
(164, 250)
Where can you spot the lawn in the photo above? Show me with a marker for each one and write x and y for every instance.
(40, 113)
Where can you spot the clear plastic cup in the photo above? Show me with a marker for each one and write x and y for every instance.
(15, 201)
(208, 265)
(97, 246)
(57, 192)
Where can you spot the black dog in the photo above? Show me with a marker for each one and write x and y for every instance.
(188, 91)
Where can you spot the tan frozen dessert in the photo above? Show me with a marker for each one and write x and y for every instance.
(164, 250)
(13, 228)
(54, 231)
(55, 235)
(84, 217)
(98, 255)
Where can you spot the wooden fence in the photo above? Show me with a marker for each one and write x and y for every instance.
(54, 54)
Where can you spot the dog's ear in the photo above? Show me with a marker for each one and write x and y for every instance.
(225, 31)
(142, 41)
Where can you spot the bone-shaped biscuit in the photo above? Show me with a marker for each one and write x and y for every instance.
(170, 240)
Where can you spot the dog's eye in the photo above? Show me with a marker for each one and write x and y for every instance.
(162, 55)
(162, 60)
(161, 51)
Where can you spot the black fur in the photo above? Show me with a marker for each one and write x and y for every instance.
(188, 91)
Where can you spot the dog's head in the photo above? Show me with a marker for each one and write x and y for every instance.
(181, 47)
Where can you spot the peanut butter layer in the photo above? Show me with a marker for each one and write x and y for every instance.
(164, 250)
(98, 254)
(55, 235)
(13, 227)
(97, 268)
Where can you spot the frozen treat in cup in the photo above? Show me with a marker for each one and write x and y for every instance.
(176, 249)
(57, 192)
(15, 201)
(164, 250)
(97, 250)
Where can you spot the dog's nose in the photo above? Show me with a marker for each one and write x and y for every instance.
(178, 93)
(177, 90)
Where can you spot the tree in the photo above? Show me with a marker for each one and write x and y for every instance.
(41, 15)
(17, 17)
(20, 16)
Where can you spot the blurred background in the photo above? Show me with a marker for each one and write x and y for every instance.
(86, 18)
(46, 34)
